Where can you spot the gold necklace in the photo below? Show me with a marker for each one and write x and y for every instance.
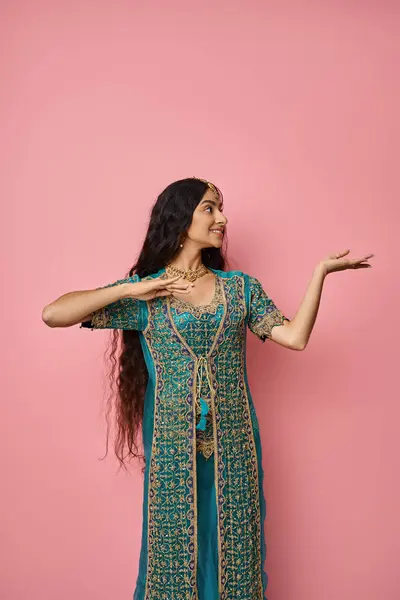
(188, 274)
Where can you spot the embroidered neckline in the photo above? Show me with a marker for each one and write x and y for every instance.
(197, 310)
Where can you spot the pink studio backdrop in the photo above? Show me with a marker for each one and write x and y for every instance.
(292, 109)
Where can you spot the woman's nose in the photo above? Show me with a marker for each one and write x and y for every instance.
(222, 219)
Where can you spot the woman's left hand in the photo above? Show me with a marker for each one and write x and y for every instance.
(337, 262)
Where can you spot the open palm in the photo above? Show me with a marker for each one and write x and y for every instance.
(338, 262)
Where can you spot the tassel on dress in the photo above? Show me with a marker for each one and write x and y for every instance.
(204, 411)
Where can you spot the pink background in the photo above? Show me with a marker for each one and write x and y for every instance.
(292, 109)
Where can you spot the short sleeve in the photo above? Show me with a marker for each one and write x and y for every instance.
(126, 313)
(263, 313)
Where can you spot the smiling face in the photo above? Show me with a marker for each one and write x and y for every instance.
(208, 223)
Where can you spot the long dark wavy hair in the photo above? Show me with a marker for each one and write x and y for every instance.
(170, 218)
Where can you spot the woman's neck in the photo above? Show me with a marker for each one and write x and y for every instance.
(186, 261)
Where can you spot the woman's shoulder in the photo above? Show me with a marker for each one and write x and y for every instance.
(150, 275)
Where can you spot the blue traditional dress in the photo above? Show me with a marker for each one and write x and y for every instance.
(204, 507)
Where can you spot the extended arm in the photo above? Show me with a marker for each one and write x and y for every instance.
(296, 333)
(114, 306)
(74, 307)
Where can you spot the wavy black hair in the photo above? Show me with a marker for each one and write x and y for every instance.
(170, 218)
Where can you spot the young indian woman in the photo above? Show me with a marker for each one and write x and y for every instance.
(180, 321)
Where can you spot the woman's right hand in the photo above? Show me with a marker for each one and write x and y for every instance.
(154, 288)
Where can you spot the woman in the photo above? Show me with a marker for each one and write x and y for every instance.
(183, 384)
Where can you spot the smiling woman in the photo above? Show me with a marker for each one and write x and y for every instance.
(203, 503)
(182, 382)
(180, 322)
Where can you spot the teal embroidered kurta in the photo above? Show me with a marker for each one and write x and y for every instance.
(204, 507)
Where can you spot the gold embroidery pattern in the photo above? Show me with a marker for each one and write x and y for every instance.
(264, 315)
(172, 497)
(205, 440)
(236, 464)
(122, 314)
(100, 319)
(263, 327)
(172, 502)
(182, 306)
(198, 325)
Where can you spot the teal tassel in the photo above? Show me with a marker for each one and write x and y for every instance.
(202, 424)
(204, 411)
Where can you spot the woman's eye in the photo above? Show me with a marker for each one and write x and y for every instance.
(210, 207)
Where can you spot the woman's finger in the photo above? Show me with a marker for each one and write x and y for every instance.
(174, 278)
(337, 255)
(360, 266)
(167, 292)
(179, 290)
(180, 286)
(159, 281)
(361, 260)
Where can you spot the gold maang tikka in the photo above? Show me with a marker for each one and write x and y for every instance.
(210, 185)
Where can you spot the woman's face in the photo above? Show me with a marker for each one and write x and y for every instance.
(208, 223)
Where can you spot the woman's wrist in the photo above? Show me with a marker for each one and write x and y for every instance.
(320, 270)
(125, 290)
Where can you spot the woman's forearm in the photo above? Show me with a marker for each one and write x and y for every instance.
(73, 307)
(303, 322)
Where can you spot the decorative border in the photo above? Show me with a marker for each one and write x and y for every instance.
(230, 555)
(186, 583)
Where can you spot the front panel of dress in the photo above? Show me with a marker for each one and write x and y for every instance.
(236, 459)
(176, 344)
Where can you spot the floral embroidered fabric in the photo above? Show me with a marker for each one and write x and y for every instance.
(196, 352)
